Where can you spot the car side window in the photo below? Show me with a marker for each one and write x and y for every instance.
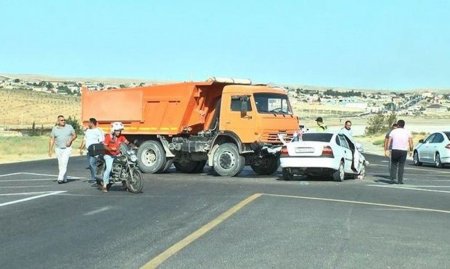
(438, 138)
(343, 142)
(430, 138)
(338, 142)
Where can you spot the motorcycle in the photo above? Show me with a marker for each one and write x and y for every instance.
(124, 170)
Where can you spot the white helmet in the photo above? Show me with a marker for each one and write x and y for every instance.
(116, 126)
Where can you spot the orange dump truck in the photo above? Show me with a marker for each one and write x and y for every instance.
(227, 123)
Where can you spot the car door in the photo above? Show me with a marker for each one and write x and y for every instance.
(435, 144)
(424, 150)
(348, 156)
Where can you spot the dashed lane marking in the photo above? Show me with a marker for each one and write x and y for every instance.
(93, 212)
(31, 198)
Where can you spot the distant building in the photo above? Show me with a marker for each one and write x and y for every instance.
(435, 108)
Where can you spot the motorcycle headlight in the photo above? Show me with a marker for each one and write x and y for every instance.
(133, 158)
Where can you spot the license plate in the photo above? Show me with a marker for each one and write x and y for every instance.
(304, 150)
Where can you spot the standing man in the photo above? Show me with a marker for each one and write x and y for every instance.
(347, 129)
(61, 139)
(93, 135)
(386, 145)
(321, 127)
(400, 139)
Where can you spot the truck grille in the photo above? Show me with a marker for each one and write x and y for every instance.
(272, 138)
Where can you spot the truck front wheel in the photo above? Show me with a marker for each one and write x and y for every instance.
(266, 166)
(151, 157)
(227, 161)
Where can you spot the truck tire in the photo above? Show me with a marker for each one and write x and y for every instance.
(227, 161)
(151, 157)
(190, 166)
(266, 166)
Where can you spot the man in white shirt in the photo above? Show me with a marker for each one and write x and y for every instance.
(93, 135)
(347, 129)
(400, 140)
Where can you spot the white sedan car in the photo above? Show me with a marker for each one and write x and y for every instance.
(318, 154)
(435, 149)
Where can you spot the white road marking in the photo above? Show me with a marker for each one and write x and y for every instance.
(31, 198)
(405, 188)
(12, 174)
(357, 202)
(37, 174)
(23, 193)
(436, 170)
(29, 179)
(97, 211)
(22, 187)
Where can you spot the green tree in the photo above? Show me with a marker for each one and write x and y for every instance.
(375, 124)
(50, 86)
(75, 124)
(380, 123)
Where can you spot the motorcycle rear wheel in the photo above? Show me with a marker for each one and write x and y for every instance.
(134, 182)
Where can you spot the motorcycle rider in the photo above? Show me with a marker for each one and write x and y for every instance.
(112, 143)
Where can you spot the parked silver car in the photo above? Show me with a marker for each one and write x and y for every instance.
(435, 149)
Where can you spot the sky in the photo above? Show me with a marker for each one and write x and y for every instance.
(383, 44)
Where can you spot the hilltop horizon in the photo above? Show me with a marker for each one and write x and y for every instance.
(49, 77)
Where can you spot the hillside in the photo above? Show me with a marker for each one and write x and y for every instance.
(20, 108)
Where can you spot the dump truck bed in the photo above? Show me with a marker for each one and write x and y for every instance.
(158, 109)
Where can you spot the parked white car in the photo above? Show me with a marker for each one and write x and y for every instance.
(435, 149)
(323, 154)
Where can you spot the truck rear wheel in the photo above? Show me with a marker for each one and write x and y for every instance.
(266, 166)
(151, 157)
(227, 161)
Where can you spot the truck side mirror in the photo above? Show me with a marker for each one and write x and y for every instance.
(244, 106)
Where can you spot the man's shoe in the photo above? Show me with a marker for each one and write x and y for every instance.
(400, 182)
(60, 182)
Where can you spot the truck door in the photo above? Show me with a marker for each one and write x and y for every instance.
(237, 117)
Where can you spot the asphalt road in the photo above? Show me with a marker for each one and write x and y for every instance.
(203, 221)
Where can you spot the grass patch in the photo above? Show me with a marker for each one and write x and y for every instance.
(24, 148)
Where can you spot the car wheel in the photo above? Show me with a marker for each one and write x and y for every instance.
(339, 174)
(437, 160)
(416, 159)
(287, 175)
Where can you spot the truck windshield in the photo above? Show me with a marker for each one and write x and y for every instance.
(272, 103)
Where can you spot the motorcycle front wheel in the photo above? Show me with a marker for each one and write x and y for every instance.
(135, 183)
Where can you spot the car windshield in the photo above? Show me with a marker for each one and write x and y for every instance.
(272, 103)
(447, 134)
(318, 137)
